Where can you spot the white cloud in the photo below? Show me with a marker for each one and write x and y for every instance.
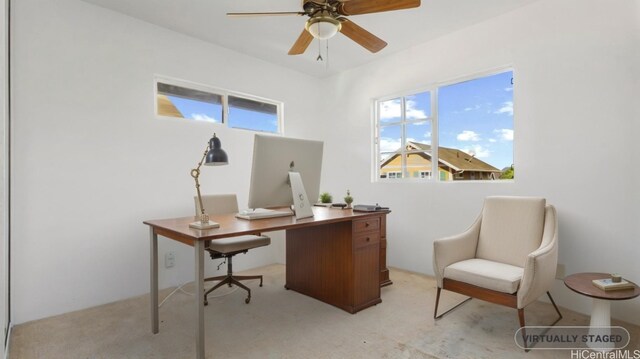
(389, 109)
(493, 140)
(467, 135)
(427, 135)
(476, 107)
(392, 109)
(203, 117)
(507, 107)
(389, 144)
(505, 134)
(413, 112)
(477, 151)
(508, 89)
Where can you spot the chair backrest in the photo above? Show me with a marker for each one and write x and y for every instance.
(217, 204)
(511, 228)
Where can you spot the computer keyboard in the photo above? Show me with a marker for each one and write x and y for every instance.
(261, 213)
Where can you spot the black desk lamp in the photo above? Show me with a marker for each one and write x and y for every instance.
(214, 155)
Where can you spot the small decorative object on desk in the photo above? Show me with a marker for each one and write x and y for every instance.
(608, 284)
(348, 199)
(325, 197)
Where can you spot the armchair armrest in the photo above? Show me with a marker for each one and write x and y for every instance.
(540, 267)
(449, 250)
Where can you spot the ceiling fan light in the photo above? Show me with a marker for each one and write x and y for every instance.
(323, 27)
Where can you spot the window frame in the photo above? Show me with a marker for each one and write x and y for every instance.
(403, 133)
(224, 103)
(433, 88)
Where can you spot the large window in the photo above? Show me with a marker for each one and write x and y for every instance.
(474, 137)
(196, 102)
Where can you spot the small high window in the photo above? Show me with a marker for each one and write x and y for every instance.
(196, 102)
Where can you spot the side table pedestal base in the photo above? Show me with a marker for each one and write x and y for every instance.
(601, 322)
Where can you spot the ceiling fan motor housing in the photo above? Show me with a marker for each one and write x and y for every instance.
(328, 17)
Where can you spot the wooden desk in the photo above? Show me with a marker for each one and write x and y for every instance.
(338, 256)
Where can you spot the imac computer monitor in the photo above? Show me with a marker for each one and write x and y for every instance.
(273, 158)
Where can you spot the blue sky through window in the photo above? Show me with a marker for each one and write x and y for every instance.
(252, 120)
(198, 110)
(238, 118)
(474, 116)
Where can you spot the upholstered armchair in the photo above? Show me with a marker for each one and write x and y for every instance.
(508, 256)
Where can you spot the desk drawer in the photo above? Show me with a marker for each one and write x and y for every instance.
(365, 239)
(365, 225)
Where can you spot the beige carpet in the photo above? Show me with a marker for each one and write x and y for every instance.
(284, 324)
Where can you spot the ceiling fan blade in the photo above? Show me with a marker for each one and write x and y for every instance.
(300, 46)
(363, 37)
(273, 13)
(358, 7)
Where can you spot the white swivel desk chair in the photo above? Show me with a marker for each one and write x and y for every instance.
(228, 247)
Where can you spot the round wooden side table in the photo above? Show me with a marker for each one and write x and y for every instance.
(601, 309)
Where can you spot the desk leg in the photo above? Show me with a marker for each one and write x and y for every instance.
(154, 280)
(601, 322)
(199, 297)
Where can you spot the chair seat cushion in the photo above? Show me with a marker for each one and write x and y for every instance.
(240, 243)
(486, 274)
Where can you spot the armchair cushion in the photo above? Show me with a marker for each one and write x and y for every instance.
(486, 274)
(511, 229)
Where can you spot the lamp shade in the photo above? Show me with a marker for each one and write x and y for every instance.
(323, 27)
(216, 155)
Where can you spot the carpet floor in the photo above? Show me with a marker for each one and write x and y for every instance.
(284, 324)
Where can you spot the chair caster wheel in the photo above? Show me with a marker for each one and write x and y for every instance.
(206, 303)
(286, 287)
(247, 300)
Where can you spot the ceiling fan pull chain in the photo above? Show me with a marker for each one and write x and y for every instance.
(327, 53)
(319, 58)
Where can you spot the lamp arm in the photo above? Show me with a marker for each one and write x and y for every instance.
(195, 173)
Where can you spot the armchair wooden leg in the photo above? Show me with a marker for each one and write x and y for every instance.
(556, 308)
(435, 311)
(522, 324)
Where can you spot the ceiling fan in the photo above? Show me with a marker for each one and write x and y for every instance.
(328, 17)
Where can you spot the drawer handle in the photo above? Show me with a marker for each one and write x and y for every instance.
(368, 239)
(366, 224)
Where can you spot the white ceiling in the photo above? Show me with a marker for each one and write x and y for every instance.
(269, 38)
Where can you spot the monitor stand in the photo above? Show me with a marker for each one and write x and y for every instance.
(301, 204)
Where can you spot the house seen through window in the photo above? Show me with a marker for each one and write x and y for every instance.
(474, 139)
(195, 102)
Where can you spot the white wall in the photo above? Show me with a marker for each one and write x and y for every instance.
(576, 122)
(92, 162)
(4, 238)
